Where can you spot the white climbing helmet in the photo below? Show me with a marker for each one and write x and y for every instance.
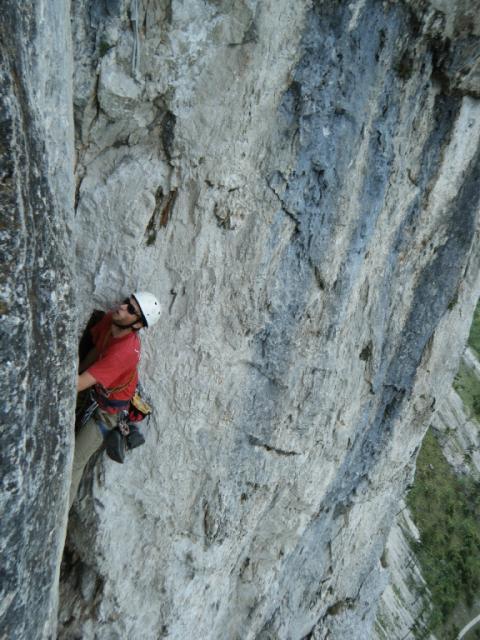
(149, 306)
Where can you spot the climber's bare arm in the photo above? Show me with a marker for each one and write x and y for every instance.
(84, 381)
(89, 359)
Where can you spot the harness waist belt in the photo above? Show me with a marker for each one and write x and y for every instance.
(103, 402)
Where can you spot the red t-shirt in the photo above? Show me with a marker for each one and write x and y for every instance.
(117, 361)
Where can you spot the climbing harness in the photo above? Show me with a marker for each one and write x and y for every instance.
(90, 409)
(126, 435)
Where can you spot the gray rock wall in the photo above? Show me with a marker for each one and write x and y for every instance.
(406, 602)
(299, 184)
(37, 312)
(457, 428)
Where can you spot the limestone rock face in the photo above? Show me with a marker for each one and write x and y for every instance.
(406, 602)
(299, 184)
(37, 314)
(458, 432)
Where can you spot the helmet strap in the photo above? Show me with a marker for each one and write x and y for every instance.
(125, 326)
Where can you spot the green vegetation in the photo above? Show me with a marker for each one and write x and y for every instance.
(446, 510)
(474, 337)
(467, 385)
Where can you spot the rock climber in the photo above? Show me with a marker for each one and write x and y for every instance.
(110, 370)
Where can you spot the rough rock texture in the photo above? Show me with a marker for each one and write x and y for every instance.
(404, 605)
(37, 316)
(299, 183)
(405, 602)
(459, 432)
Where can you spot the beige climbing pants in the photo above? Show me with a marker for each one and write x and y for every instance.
(88, 440)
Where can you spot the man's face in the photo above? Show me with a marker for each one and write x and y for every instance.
(127, 312)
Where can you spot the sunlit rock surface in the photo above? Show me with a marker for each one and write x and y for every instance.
(298, 182)
(406, 602)
(458, 430)
(37, 313)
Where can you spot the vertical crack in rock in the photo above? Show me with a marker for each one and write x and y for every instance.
(168, 133)
(161, 214)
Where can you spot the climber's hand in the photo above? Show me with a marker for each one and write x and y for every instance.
(84, 381)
